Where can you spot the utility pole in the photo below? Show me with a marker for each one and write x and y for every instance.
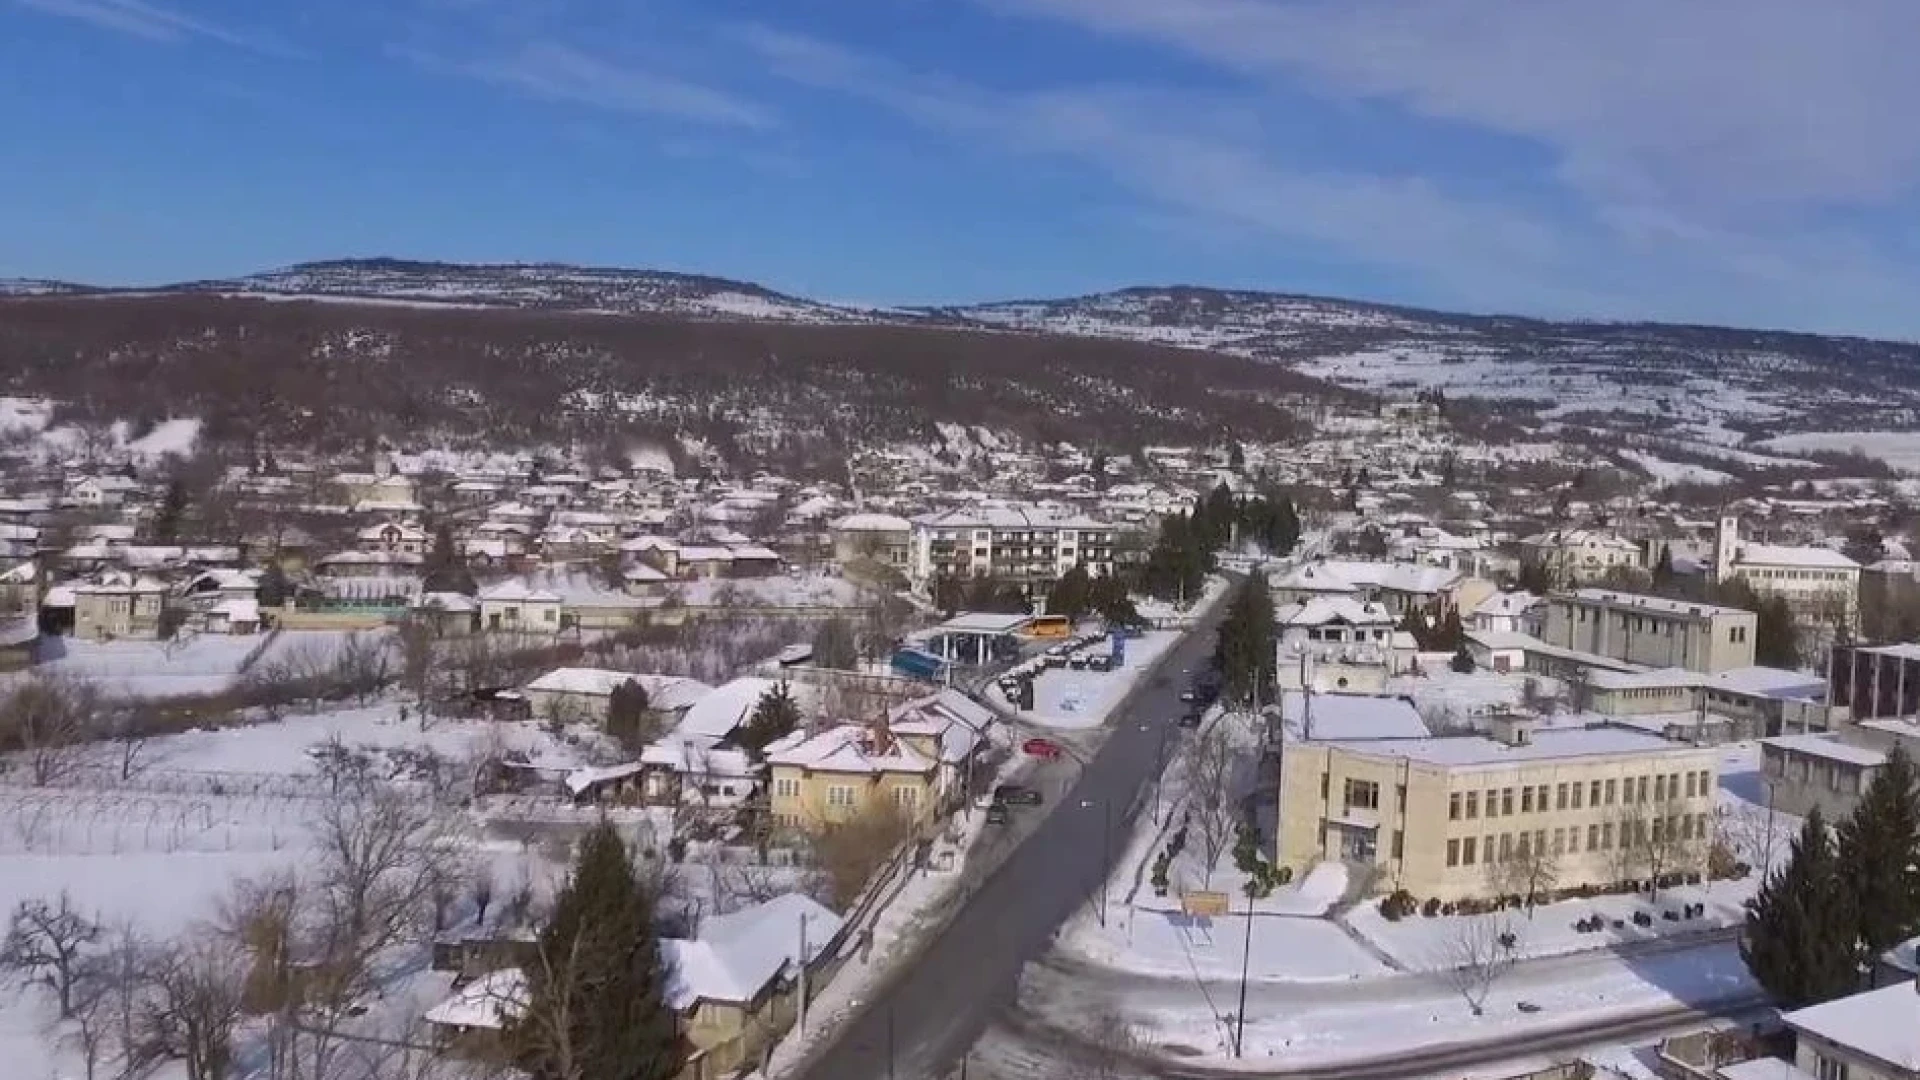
(1106, 863)
(802, 1021)
(1246, 958)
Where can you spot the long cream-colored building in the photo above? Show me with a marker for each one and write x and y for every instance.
(1530, 809)
(1651, 631)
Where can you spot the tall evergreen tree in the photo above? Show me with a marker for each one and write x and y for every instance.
(596, 1005)
(834, 645)
(1244, 649)
(1071, 594)
(171, 515)
(1799, 939)
(1776, 636)
(1880, 847)
(443, 569)
(1663, 567)
(775, 716)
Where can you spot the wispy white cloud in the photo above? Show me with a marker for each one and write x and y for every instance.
(1702, 102)
(1194, 156)
(557, 72)
(137, 18)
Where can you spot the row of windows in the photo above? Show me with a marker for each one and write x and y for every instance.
(1575, 795)
(1601, 836)
(1797, 575)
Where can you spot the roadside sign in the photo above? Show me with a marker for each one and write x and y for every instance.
(1210, 904)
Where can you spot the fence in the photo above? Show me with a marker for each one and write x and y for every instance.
(67, 822)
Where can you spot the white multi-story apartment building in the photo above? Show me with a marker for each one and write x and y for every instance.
(1820, 584)
(1024, 544)
(1577, 556)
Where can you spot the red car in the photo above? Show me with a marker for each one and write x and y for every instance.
(1042, 748)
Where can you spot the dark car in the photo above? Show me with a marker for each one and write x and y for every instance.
(997, 814)
(1015, 795)
(1190, 720)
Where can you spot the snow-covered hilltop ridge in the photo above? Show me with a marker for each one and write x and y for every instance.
(1712, 380)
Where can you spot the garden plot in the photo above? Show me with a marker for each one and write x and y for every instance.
(188, 666)
(1068, 699)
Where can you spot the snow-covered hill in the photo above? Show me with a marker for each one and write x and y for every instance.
(1706, 386)
(532, 285)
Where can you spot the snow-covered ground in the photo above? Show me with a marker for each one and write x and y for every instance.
(813, 590)
(1064, 698)
(1419, 943)
(190, 665)
(1900, 449)
(1674, 472)
(1166, 944)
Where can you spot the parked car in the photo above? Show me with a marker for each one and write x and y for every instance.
(1015, 795)
(997, 814)
(1077, 662)
(1190, 720)
(1100, 662)
(1190, 694)
(1042, 748)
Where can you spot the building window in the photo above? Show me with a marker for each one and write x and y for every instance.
(1466, 851)
(906, 798)
(1453, 807)
(1453, 853)
(1399, 844)
(1326, 782)
(787, 787)
(1737, 634)
(1506, 802)
(1659, 789)
(1506, 846)
(1473, 805)
(1610, 792)
(1693, 781)
(839, 795)
(1526, 799)
(1593, 838)
(1560, 796)
(1595, 799)
(1573, 840)
(1362, 794)
(1400, 796)
(1643, 789)
(1578, 789)
(1831, 1069)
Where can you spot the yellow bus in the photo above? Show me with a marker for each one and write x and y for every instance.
(1049, 626)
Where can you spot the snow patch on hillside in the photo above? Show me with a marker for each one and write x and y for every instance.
(1900, 449)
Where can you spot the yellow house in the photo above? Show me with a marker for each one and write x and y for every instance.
(840, 774)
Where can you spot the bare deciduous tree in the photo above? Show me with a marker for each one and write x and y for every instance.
(1207, 768)
(1528, 872)
(48, 942)
(193, 1007)
(849, 853)
(50, 720)
(1479, 950)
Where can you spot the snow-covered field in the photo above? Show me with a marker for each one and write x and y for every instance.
(188, 665)
(1166, 944)
(1673, 472)
(1900, 449)
(1063, 698)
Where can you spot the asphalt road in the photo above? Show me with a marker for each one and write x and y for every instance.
(919, 1025)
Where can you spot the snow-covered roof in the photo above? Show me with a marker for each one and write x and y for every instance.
(1350, 716)
(584, 779)
(725, 707)
(1321, 610)
(872, 523)
(699, 758)
(487, 1002)
(1660, 605)
(450, 602)
(516, 591)
(1672, 678)
(1823, 747)
(1545, 744)
(849, 748)
(1506, 603)
(1799, 558)
(667, 693)
(1008, 517)
(735, 956)
(1883, 1024)
(1767, 682)
(115, 584)
(1342, 576)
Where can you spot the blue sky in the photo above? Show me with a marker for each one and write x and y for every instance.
(1743, 161)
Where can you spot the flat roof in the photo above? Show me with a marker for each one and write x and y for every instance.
(982, 622)
(1768, 682)
(1821, 746)
(1763, 1068)
(1656, 604)
(1657, 679)
(1545, 745)
(1883, 1024)
(1338, 717)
